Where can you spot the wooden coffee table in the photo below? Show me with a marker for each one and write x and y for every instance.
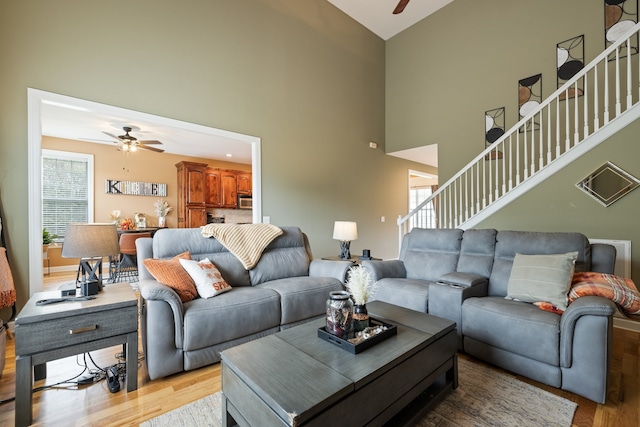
(294, 378)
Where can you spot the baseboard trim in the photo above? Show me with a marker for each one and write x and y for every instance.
(629, 325)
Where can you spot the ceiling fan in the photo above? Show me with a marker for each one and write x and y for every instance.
(400, 7)
(127, 142)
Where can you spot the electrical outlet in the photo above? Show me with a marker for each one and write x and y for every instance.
(382, 219)
(373, 145)
(266, 220)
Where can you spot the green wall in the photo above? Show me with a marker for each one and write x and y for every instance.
(444, 72)
(447, 70)
(301, 75)
(558, 205)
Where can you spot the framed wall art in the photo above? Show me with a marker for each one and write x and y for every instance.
(619, 17)
(529, 98)
(570, 60)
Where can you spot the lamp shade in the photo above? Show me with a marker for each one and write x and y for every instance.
(83, 240)
(345, 231)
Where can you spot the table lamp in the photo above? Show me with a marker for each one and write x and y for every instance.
(90, 243)
(345, 231)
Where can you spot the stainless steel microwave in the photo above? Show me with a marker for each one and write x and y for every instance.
(245, 201)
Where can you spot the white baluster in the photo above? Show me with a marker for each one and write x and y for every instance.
(558, 126)
(576, 125)
(618, 102)
(549, 133)
(629, 100)
(567, 140)
(585, 100)
(510, 163)
(606, 91)
(533, 146)
(517, 157)
(596, 97)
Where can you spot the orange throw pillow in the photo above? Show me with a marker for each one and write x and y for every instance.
(171, 273)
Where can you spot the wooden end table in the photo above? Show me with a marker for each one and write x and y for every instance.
(54, 331)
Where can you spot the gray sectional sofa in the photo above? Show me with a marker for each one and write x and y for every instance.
(286, 287)
(463, 276)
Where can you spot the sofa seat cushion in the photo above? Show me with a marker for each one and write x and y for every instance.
(302, 297)
(408, 293)
(514, 326)
(237, 313)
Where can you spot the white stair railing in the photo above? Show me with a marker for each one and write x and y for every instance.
(603, 90)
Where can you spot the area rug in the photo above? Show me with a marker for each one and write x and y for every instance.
(485, 397)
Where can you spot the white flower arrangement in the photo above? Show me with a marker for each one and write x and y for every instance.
(162, 207)
(360, 285)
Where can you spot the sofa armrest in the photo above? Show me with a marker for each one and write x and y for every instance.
(392, 268)
(583, 306)
(144, 250)
(603, 258)
(463, 280)
(447, 295)
(327, 268)
(153, 291)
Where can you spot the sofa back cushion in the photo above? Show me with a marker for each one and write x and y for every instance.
(508, 243)
(429, 253)
(169, 242)
(477, 251)
(286, 256)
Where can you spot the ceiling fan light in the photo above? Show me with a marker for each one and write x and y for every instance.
(133, 147)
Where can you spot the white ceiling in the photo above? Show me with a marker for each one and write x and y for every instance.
(86, 121)
(377, 15)
(427, 155)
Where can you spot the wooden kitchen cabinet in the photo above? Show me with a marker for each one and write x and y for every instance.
(213, 187)
(191, 195)
(229, 186)
(244, 184)
(201, 187)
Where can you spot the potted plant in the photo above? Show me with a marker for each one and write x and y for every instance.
(47, 239)
(361, 288)
(162, 208)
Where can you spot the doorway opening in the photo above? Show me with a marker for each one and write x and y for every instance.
(38, 100)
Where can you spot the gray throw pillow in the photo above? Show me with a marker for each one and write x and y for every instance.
(542, 278)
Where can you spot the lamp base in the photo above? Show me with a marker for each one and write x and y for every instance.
(88, 272)
(344, 250)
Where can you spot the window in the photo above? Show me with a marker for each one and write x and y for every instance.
(67, 189)
(425, 218)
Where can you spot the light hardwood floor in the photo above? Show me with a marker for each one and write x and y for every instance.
(95, 405)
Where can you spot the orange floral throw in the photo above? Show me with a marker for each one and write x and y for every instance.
(547, 306)
(618, 289)
(171, 273)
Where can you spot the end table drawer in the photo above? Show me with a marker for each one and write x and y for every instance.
(65, 331)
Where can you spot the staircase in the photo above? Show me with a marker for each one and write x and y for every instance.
(560, 130)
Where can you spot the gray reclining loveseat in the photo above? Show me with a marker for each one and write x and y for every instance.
(285, 288)
(463, 276)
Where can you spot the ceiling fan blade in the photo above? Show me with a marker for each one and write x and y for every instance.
(400, 7)
(151, 142)
(112, 136)
(146, 147)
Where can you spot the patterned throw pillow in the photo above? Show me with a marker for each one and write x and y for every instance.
(618, 289)
(208, 280)
(172, 274)
(544, 278)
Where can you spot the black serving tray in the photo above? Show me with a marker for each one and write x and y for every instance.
(358, 348)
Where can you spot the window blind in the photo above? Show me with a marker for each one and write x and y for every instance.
(65, 190)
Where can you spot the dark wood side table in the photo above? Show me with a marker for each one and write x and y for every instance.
(54, 331)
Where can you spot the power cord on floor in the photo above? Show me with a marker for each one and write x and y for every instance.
(88, 375)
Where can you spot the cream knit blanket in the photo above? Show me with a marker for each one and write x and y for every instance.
(245, 241)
